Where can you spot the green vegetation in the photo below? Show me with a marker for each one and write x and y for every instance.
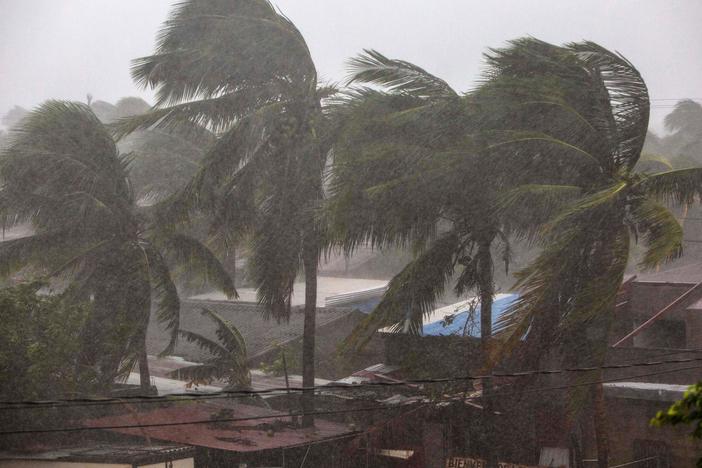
(551, 149)
(39, 345)
(64, 175)
(593, 108)
(686, 411)
(242, 71)
(228, 356)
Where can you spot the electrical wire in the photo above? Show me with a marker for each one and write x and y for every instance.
(329, 412)
(207, 421)
(34, 404)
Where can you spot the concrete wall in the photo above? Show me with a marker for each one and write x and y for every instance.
(677, 329)
(628, 421)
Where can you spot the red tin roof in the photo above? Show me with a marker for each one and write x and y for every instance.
(188, 423)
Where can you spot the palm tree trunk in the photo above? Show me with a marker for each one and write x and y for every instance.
(600, 416)
(144, 375)
(310, 262)
(486, 291)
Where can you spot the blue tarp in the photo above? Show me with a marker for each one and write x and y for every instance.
(456, 324)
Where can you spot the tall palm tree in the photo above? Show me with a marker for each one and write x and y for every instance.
(585, 110)
(227, 359)
(409, 171)
(63, 174)
(243, 71)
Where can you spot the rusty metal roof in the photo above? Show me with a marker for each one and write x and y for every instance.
(183, 424)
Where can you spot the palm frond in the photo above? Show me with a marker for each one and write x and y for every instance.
(412, 293)
(662, 234)
(626, 99)
(372, 67)
(563, 149)
(525, 209)
(165, 294)
(589, 207)
(212, 347)
(214, 114)
(680, 186)
(196, 259)
(209, 47)
(228, 335)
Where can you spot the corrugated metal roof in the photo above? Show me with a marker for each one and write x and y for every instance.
(105, 453)
(645, 391)
(327, 286)
(457, 319)
(271, 430)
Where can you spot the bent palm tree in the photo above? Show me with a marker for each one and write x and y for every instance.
(584, 109)
(243, 71)
(63, 174)
(227, 359)
(408, 172)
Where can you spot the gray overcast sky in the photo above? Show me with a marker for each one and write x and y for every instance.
(66, 48)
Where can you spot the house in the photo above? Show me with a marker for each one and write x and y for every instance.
(656, 320)
(342, 304)
(227, 432)
(101, 454)
(449, 340)
(630, 405)
(664, 310)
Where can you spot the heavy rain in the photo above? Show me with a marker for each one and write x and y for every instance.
(393, 234)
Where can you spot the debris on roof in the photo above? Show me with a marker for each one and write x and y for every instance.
(105, 453)
(233, 427)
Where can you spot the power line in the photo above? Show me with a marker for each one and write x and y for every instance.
(24, 404)
(205, 421)
(595, 382)
(329, 412)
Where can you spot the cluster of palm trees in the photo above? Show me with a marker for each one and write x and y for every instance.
(543, 149)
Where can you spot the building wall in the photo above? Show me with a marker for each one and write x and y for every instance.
(677, 329)
(648, 298)
(628, 421)
(432, 356)
(330, 363)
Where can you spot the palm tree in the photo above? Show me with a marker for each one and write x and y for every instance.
(408, 171)
(685, 121)
(243, 71)
(63, 174)
(585, 110)
(227, 359)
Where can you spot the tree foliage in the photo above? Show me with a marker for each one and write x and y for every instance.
(227, 359)
(39, 345)
(687, 411)
(64, 175)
